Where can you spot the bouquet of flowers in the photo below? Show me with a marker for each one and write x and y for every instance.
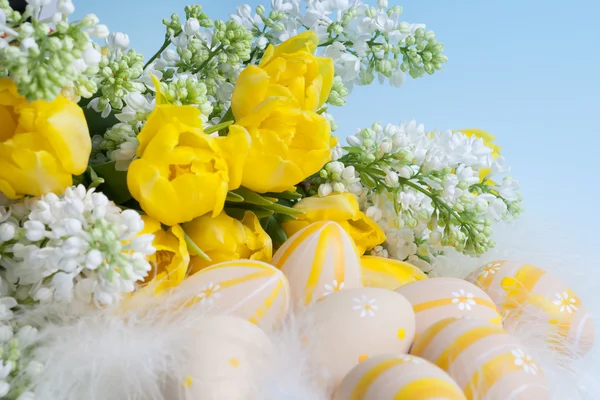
(126, 180)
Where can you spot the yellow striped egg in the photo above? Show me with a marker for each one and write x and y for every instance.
(388, 273)
(352, 325)
(484, 360)
(398, 377)
(318, 260)
(526, 294)
(227, 358)
(435, 299)
(253, 290)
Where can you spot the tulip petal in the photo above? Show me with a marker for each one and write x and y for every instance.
(250, 89)
(307, 41)
(234, 148)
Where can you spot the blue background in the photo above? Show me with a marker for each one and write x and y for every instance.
(527, 71)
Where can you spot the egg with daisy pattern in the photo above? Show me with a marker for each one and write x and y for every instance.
(352, 325)
(249, 289)
(435, 299)
(318, 260)
(484, 360)
(529, 295)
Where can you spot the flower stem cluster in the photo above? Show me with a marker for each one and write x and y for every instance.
(44, 61)
(77, 248)
(429, 190)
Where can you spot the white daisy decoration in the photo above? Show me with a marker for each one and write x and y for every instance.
(525, 361)
(463, 299)
(489, 269)
(566, 302)
(365, 305)
(209, 294)
(333, 287)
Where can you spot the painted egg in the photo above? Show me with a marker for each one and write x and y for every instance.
(388, 273)
(525, 293)
(318, 260)
(484, 360)
(253, 290)
(398, 377)
(435, 299)
(227, 356)
(352, 325)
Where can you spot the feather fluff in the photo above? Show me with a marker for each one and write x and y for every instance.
(109, 355)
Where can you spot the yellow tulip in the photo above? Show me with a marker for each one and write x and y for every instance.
(341, 208)
(388, 273)
(223, 238)
(42, 144)
(171, 260)
(288, 145)
(289, 70)
(182, 173)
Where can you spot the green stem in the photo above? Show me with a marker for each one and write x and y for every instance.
(166, 44)
(439, 202)
(218, 127)
(211, 54)
(194, 247)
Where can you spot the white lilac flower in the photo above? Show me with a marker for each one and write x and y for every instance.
(79, 247)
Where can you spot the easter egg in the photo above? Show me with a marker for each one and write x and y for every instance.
(318, 260)
(525, 294)
(351, 325)
(227, 356)
(397, 377)
(388, 273)
(484, 360)
(435, 299)
(253, 290)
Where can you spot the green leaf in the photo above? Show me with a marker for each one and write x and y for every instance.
(195, 249)
(285, 217)
(251, 197)
(278, 208)
(274, 230)
(96, 180)
(234, 197)
(115, 182)
(353, 149)
(367, 180)
(96, 124)
(288, 195)
(238, 213)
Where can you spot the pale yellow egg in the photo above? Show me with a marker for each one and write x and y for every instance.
(318, 260)
(227, 358)
(435, 299)
(484, 360)
(353, 325)
(253, 290)
(398, 377)
(388, 273)
(526, 294)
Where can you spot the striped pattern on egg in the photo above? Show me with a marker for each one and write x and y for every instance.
(527, 294)
(435, 299)
(387, 273)
(318, 260)
(483, 359)
(398, 377)
(253, 290)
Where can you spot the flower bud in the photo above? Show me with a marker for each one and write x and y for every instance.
(66, 7)
(325, 189)
(382, 3)
(118, 40)
(404, 28)
(335, 167)
(170, 55)
(391, 179)
(91, 56)
(339, 187)
(354, 141)
(349, 173)
(260, 10)
(323, 174)
(374, 213)
(7, 232)
(385, 147)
